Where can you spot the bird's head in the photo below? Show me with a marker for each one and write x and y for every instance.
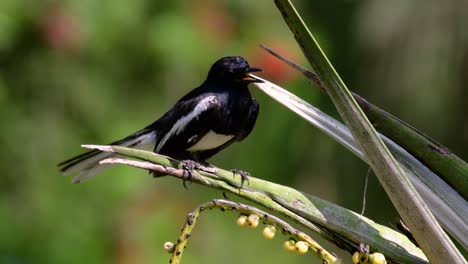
(234, 69)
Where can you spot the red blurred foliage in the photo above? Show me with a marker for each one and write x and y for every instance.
(60, 29)
(214, 21)
(274, 69)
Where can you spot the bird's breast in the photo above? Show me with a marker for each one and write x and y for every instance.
(210, 140)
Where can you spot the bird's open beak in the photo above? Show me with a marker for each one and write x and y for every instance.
(250, 78)
(251, 69)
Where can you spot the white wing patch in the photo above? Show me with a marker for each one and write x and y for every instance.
(210, 140)
(202, 106)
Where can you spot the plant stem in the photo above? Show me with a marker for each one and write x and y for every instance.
(427, 231)
(338, 225)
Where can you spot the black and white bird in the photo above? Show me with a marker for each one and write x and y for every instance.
(211, 117)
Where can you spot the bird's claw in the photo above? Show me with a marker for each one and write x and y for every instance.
(243, 174)
(188, 166)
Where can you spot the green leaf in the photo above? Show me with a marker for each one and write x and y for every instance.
(427, 231)
(447, 205)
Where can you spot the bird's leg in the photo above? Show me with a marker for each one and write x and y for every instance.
(244, 176)
(213, 169)
(188, 166)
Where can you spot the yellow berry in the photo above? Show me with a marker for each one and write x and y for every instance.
(377, 258)
(169, 247)
(241, 220)
(356, 257)
(301, 247)
(269, 232)
(289, 245)
(252, 220)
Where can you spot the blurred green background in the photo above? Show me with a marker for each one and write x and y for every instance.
(75, 72)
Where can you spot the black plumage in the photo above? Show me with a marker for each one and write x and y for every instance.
(203, 122)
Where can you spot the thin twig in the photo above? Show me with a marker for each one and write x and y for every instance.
(364, 193)
(267, 218)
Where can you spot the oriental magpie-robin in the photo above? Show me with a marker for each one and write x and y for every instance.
(203, 122)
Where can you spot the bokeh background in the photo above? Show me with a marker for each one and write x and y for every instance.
(75, 72)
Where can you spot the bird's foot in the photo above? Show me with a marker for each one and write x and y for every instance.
(189, 166)
(244, 176)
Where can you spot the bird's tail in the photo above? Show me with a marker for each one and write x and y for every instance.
(87, 164)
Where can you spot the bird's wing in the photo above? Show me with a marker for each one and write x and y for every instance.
(186, 122)
(250, 122)
(247, 127)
